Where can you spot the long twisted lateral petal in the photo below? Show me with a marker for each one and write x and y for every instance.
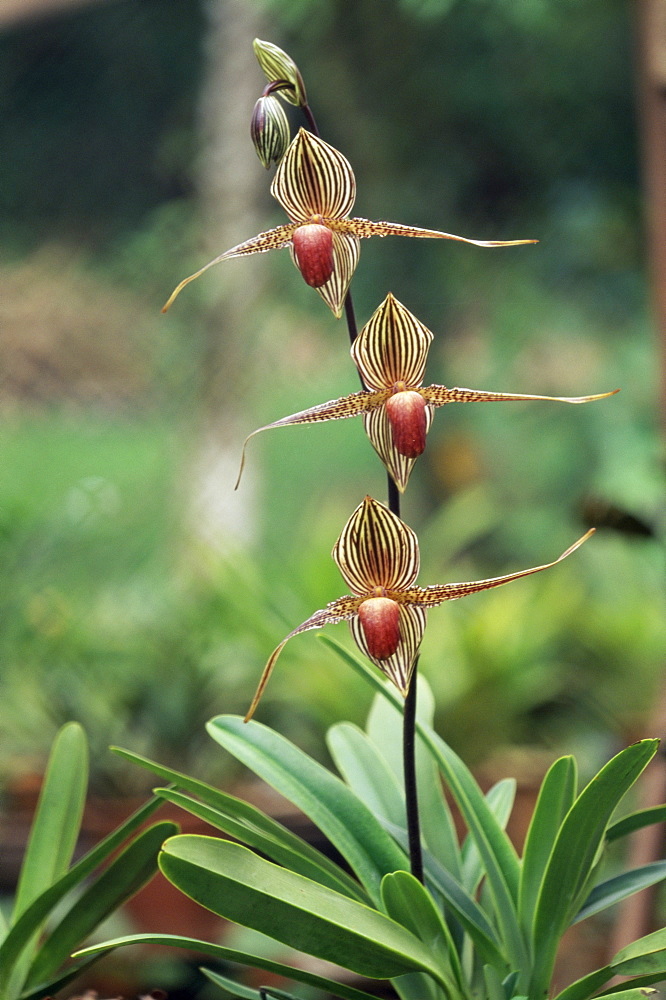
(365, 227)
(336, 611)
(431, 596)
(439, 395)
(335, 409)
(273, 239)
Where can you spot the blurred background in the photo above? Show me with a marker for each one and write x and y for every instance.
(140, 595)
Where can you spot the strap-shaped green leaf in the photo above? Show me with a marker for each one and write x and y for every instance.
(22, 931)
(340, 815)
(588, 986)
(126, 874)
(250, 825)
(226, 955)
(645, 959)
(408, 902)
(636, 993)
(230, 880)
(366, 772)
(53, 836)
(574, 852)
(52, 986)
(239, 992)
(556, 796)
(499, 857)
(614, 890)
(55, 827)
(295, 860)
(500, 799)
(437, 826)
(636, 821)
(460, 904)
(642, 957)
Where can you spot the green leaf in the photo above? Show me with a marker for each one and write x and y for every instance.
(556, 796)
(22, 931)
(638, 981)
(408, 902)
(52, 986)
(500, 799)
(53, 836)
(366, 772)
(586, 986)
(437, 826)
(499, 856)
(296, 861)
(618, 888)
(126, 874)
(237, 990)
(230, 880)
(642, 957)
(633, 994)
(55, 827)
(493, 982)
(247, 823)
(225, 955)
(574, 852)
(347, 822)
(466, 910)
(636, 821)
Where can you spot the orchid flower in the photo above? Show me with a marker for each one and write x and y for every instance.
(315, 185)
(378, 556)
(390, 353)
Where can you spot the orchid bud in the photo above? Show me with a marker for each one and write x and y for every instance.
(380, 621)
(406, 412)
(277, 65)
(269, 130)
(313, 251)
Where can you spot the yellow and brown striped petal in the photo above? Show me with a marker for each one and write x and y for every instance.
(273, 239)
(277, 65)
(314, 179)
(430, 597)
(392, 347)
(439, 395)
(400, 666)
(376, 551)
(337, 611)
(378, 428)
(365, 227)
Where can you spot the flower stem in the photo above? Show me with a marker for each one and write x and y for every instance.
(409, 741)
(409, 769)
(409, 717)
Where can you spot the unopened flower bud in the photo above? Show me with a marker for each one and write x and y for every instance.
(313, 251)
(380, 621)
(277, 65)
(269, 129)
(406, 412)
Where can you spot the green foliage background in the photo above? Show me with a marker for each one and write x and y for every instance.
(492, 118)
